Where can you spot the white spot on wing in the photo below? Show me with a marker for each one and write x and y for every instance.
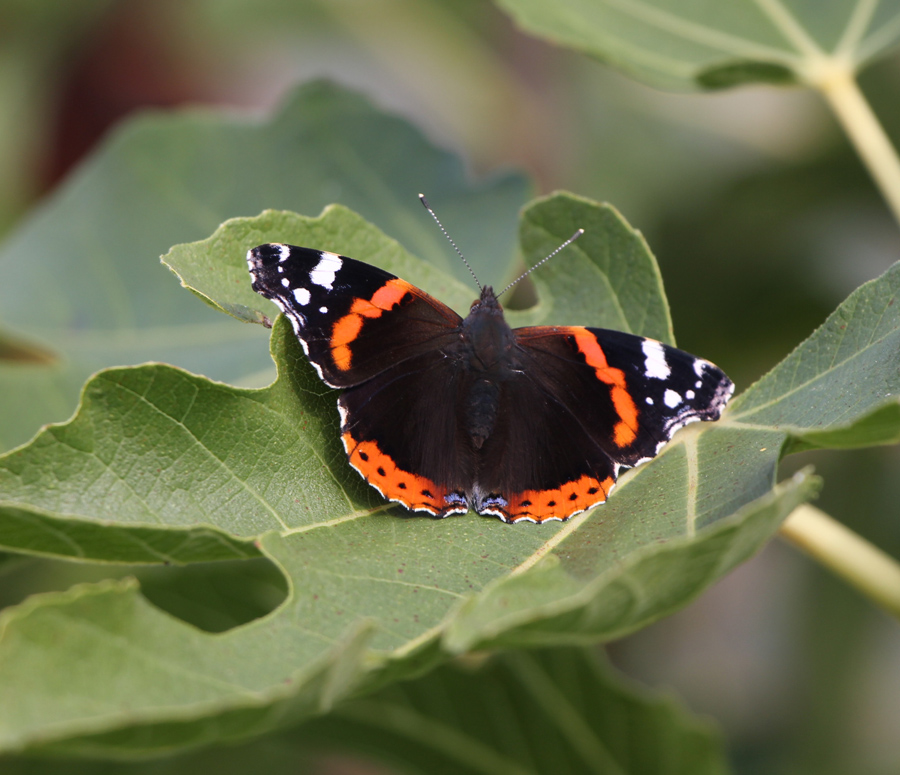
(323, 310)
(671, 399)
(324, 272)
(700, 366)
(689, 395)
(284, 253)
(285, 282)
(649, 400)
(302, 296)
(655, 364)
(342, 411)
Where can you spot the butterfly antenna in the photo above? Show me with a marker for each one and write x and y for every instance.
(525, 274)
(458, 251)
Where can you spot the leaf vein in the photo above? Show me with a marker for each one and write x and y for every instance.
(398, 582)
(783, 20)
(885, 36)
(209, 453)
(700, 33)
(857, 24)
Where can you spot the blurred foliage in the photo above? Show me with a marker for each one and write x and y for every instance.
(760, 214)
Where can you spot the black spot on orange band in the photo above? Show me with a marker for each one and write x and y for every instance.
(417, 493)
(543, 505)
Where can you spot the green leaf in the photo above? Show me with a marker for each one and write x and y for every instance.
(709, 44)
(89, 290)
(216, 268)
(160, 465)
(154, 448)
(159, 462)
(580, 595)
(608, 278)
(209, 687)
(881, 426)
(841, 386)
(563, 710)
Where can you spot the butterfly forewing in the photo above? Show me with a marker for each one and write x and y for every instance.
(345, 312)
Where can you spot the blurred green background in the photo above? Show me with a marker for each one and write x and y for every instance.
(761, 217)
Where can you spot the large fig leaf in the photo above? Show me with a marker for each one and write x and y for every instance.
(712, 44)
(81, 281)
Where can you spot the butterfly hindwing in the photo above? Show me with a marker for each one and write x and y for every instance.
(401, 432)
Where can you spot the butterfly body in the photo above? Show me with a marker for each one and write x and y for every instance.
(442, 413)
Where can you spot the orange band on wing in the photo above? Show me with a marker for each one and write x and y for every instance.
(415, 492)
(626, 429)
(346, 329)
(563, 502)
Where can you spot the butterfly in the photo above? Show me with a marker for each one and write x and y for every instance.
(442, 413)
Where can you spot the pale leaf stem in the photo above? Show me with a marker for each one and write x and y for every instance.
(872, 571)
(843, 95)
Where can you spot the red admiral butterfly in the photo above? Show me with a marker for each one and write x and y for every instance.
(440, 413)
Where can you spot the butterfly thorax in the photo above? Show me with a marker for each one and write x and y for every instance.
(488, 350)
(486, 335)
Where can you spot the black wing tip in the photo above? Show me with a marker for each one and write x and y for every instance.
(267, 255)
